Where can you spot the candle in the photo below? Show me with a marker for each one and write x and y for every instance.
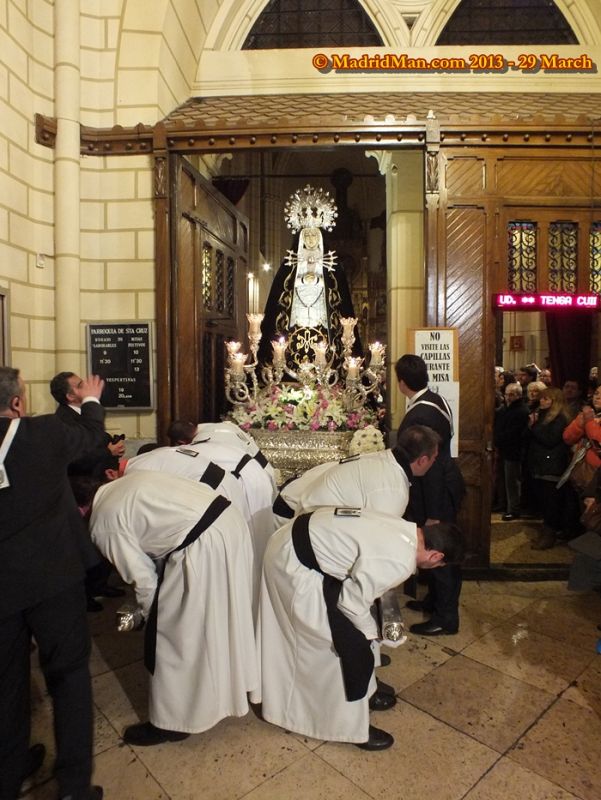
(238, 360)
(348, 324)
(254, 323)
(279, 350)
(320, 350)
(376, 354)
(232, 348)
(352, 368)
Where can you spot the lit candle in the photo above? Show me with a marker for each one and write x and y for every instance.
(238, 360)
(279, 350)
(232, 348)
(254, 323)
(348, 324)
(376, 354)
(352, 368)
(320, 353)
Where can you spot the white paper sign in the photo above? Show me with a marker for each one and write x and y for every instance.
(438, 348)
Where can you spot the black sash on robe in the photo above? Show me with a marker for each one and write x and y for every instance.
(212, 476)
(260, 459)
(282, 509)
(216, 508)
(351, 645)
(240, 465)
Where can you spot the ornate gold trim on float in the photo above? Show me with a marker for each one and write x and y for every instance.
(294, 452)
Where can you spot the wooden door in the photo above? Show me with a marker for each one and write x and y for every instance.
(209, 269)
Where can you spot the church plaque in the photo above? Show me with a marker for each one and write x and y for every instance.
(121, 353)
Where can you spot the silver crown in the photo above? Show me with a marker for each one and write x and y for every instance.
(310, 208)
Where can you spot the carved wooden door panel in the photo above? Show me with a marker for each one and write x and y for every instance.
(461, 248)
(462, 304)
(210, 263)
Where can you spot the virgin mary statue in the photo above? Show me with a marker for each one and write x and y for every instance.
(309, 292)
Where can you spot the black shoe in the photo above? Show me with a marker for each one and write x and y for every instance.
(94, 605)
(384, 688)
(430, 628)
(419, 605)
(381, 701)
(93, 793)
(145, 734)
(385, 660)
(110, 591)
(510, 517)
(35, 759)
(378, 740)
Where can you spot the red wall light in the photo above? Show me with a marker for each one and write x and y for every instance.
(546, 301)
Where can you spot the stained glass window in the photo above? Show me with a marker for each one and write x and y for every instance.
(521, 247)
(312, 23)
(595, 257)
(507, 22)
(563, 256)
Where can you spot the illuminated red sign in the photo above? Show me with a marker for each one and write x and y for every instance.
(541, 301)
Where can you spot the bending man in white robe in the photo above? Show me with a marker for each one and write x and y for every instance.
(204, 661)
(312, 682)
(184, 432)
(190, 461)
(376, 481)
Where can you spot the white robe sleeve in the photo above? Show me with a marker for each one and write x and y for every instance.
(135, 567)
(368, 580)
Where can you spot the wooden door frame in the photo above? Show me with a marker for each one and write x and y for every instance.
(187, 133)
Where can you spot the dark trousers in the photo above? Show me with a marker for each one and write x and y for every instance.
(60, 628)
(444, 588)
(551, 500)
(513, 483)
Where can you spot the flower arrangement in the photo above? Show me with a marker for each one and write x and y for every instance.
(366, 440)
(302, 409)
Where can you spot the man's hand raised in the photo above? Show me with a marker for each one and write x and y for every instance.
(91, 386)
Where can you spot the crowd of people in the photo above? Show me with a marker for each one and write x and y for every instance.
(248, 593)
(547, 446)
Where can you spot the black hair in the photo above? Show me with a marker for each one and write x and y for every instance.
(147, 448)
(413, 371)
(181, 430)
(447, 538)
(60, 388)
(417, 441)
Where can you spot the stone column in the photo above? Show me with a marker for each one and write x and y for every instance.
(404, 172)
(66, 186)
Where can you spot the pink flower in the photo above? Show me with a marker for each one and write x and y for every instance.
(246, 426)
(332, 425)
(272, 425)
(324, 403)
(314, 425)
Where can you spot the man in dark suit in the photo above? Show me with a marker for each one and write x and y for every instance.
(41, 587)
(436, 496)
(64, 388)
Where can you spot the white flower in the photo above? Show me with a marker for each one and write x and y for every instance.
(366, 440)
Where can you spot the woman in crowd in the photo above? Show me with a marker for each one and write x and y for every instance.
(502, 381)
(533, 395)
(547, 459)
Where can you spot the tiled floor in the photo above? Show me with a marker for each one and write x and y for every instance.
(510, 708)
(511, 543)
